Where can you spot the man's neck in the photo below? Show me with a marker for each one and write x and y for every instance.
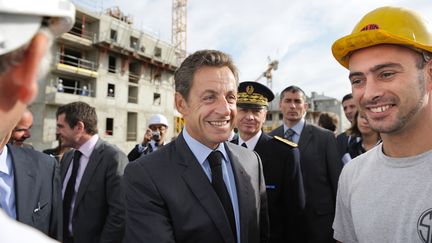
(82, 140)
(290, 124)
(246, 136)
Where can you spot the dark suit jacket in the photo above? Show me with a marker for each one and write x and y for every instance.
(37, 190)
(170, 199)
(321, 166)
(284, 184)
(342, 142)
(99, 206)
(135, 153)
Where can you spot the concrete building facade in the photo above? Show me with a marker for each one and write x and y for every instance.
(125, 73)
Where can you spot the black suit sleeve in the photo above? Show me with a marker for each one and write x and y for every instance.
(264, 216)
(134, 154)
(147, 216)
(113, 229)
(334, 162)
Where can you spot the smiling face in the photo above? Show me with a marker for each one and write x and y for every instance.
(250, 121)
(210, 109)
(68, 136)
(388, 87)
(22, 130)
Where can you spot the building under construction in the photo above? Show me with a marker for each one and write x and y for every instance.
(125, 73)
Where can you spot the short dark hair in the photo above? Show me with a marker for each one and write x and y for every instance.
(184, 75)
(293, 89)
(328, 120)
(80, 111)
(347, 97)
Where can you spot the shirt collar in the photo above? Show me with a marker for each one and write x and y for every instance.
(298, 127)
(5, 164)
(252, 142)
(87, 148)
(201, 151)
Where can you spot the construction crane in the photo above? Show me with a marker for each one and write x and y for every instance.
(273, 65)
(179, 27)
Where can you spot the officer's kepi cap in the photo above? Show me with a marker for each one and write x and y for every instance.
(253, 95)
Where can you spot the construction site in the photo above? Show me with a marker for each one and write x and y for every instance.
(125, 73)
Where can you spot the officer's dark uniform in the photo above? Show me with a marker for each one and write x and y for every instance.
(282, 173)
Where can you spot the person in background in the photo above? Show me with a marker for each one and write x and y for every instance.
(199, 188)
(58, 151)
(329, 121)
(60, 87)
(280, 159)
(384, 194)
(23, 60)
(93, 204)
(350, 110)
(30, 188)
(22, 130)
(320, 164)
(154, 137)
(363, 138)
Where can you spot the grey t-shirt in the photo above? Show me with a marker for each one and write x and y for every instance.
(384, 199)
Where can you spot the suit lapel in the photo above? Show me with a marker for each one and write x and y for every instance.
(25, 171)
(243, 193)
(94, 160)
(305, 136)
(200, 186)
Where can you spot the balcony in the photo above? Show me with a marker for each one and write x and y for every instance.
(74, 65)
(79, 37)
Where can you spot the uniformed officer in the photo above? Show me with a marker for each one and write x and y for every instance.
(280, 158)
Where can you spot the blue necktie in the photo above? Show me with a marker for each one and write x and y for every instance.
(289, 134)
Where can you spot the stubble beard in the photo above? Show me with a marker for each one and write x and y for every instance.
(402, 119)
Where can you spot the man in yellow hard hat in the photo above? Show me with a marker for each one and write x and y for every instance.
(385, 194)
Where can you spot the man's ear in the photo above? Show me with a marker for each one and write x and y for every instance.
(181, 103)
(24, 75)
(80, 126)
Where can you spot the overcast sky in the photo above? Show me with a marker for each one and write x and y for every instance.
(297, 33)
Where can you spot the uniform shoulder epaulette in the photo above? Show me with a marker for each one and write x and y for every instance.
(286, 141)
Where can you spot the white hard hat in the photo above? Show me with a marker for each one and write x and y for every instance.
(158, 119)
(21, 19)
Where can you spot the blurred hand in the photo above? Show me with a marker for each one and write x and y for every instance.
(147, 137)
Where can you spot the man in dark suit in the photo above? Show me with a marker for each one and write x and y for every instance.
(93, 206)
(33, 194)
(199, 188)
(320, 164)
(350, 110)
(280, 159)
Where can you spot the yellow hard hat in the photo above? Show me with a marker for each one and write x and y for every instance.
(386, 25)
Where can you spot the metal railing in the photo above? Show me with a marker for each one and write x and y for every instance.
(75, 61)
